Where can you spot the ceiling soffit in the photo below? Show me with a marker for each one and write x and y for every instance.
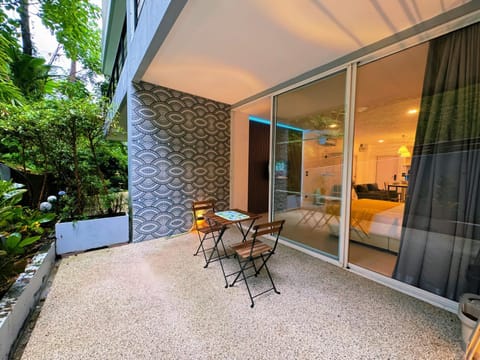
(231, 50)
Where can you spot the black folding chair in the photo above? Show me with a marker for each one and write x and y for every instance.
(253, 250)
(205, 230)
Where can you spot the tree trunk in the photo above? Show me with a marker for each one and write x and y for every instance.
(54, 55)
(45, 173)
(25, 27)
(95, 160)
(24, 160)
(76, 171)
(72, 77)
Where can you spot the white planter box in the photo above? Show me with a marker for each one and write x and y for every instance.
(84, 235)
(21, 298)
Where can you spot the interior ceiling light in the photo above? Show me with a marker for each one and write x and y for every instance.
(412, 111)
(381, 141)
(332, 126)
(403, 150)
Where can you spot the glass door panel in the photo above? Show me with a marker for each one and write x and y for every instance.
(308, 158)
(387, 102)
(417, 129)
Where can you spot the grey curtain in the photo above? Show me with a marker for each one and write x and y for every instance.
(441, 226)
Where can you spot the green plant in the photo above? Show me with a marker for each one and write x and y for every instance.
(63, 137)
(19, 226)
(114, 202)
(22, 232)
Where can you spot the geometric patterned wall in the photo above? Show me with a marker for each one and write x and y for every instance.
(179, 150)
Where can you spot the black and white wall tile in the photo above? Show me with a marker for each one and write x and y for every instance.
(179, 149)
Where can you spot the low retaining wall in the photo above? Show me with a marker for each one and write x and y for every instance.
(22, 297)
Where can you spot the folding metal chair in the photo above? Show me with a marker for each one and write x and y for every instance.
(205, 230)
(252, 250)
(332, 211)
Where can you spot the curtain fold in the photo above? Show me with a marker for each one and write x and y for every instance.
(441, 225)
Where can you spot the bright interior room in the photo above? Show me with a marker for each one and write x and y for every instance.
(388, 96)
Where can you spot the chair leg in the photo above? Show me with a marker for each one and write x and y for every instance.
(320, 220)
(198, 249)
(207, 260)
(211, 237)
(215, 249)
(243, 267)
(245, 232)
(264, 263)
(308, 215)
(223, 272)
(199, 246)
(224, 250)
(242, 272)
(255, 268)
(271, 280)
(238, 273)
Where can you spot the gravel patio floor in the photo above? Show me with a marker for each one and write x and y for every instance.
(154, 300)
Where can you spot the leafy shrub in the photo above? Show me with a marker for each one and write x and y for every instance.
(63, 138)
(21, 230)
(19, 226)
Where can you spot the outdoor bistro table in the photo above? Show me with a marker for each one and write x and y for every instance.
(225, 218)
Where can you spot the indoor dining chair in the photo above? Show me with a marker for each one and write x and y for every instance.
(250, 251)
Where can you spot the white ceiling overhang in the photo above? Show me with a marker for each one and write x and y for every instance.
(231, 50)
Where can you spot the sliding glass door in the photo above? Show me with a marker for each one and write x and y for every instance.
(388, 96)
(416, 212)
(415, 206)
(308, 158)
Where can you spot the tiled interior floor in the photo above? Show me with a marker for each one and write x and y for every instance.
(154, 300)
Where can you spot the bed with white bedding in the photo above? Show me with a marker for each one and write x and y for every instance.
(374, 222)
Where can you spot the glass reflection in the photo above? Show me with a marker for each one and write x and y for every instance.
(308, 163)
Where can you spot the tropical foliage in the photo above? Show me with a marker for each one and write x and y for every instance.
(53, 125)
(74, 24)
(63, 137)
(21, 229)
(8, 91)
(19, 226)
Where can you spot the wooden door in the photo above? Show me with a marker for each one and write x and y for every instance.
(258, 158)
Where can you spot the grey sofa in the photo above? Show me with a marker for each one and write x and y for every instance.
(371, 191)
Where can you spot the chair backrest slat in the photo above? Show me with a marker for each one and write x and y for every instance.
(268, 231)
(202, 206)
(271, 228)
